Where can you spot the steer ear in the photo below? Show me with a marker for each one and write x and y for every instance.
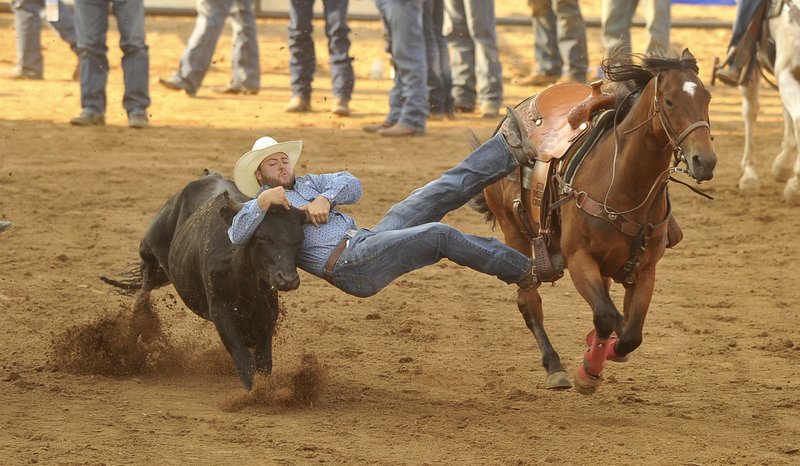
(229, 209)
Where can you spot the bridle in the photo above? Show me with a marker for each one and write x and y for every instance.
(674, 138)
(675, 141)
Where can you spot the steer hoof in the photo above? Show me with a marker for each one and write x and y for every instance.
(557, 381)
(585, 383)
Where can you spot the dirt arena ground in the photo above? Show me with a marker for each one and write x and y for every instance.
(438, 368)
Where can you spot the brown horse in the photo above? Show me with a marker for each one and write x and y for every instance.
(610, 219)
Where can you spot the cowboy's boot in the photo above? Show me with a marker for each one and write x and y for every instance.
(516, 135)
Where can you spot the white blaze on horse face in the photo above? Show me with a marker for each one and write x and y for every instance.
(689, 88)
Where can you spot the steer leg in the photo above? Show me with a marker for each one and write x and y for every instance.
(145, 323)
(263, 349)
(245, 365)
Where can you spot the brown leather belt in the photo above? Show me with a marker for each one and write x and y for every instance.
(335, 254)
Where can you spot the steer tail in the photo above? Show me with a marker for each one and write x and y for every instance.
(478, 203)
(129, 283)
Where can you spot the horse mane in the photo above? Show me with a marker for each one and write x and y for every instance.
(628, 73)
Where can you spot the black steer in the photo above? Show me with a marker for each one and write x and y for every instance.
(236, 287)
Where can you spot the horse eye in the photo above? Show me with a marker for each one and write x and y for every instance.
(668, 102)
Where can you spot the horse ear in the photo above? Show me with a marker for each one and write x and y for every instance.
(687, 55)
(229, 209)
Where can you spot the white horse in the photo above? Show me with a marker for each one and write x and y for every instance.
(785, 31)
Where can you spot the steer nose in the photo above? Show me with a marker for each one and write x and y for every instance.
(701, 166)
(286, 281)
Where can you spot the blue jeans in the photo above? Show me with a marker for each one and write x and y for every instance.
(408, 99)
(745, 12)
(440, 80)
(28, 27)
(303, 61)
(617, 17)
(410, 236)
(196, 59)
(91, 22)
(559, 38)
(475, 57)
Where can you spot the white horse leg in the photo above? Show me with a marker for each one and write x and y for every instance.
(749, 179)
(790, 94)
(782, 166)
(786, 32)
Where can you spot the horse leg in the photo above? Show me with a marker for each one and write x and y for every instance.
(498, 197)
(585, 274)
(790, 95)
(529, 303)
(617, 331)
(749, 179)
(637, 302)
(782, 166)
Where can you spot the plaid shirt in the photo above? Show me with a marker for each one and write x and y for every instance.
(339, 188)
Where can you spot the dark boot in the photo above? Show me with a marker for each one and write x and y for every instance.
(516, 134)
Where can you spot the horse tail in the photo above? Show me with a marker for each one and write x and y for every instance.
(478, 203)
(130, 283)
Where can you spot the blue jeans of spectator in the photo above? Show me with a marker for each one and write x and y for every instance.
(408, 99)
(440, 80)
(91, 22)
(617, 18)
(410, 236)
(559, 38)
(303, 61)
(196, 59)
(28, 28)
(471, 34)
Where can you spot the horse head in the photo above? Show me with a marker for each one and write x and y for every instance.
(679, 100)
(682, 101)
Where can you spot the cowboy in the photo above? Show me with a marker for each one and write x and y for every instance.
(363, 261)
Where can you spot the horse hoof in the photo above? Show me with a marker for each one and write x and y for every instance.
(792, 192)
(747, 183)
(558, 381)
(781, 173)
(586, 384)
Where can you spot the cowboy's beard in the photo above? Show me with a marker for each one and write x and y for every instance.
(287, 182)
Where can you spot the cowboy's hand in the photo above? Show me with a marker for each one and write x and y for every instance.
(318, 210)
(273, 196)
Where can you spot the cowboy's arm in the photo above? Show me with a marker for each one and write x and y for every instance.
(245, 222)
(338, 188)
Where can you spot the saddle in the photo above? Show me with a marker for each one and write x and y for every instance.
(558, 121)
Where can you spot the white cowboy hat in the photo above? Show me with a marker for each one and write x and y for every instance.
(244, 172)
